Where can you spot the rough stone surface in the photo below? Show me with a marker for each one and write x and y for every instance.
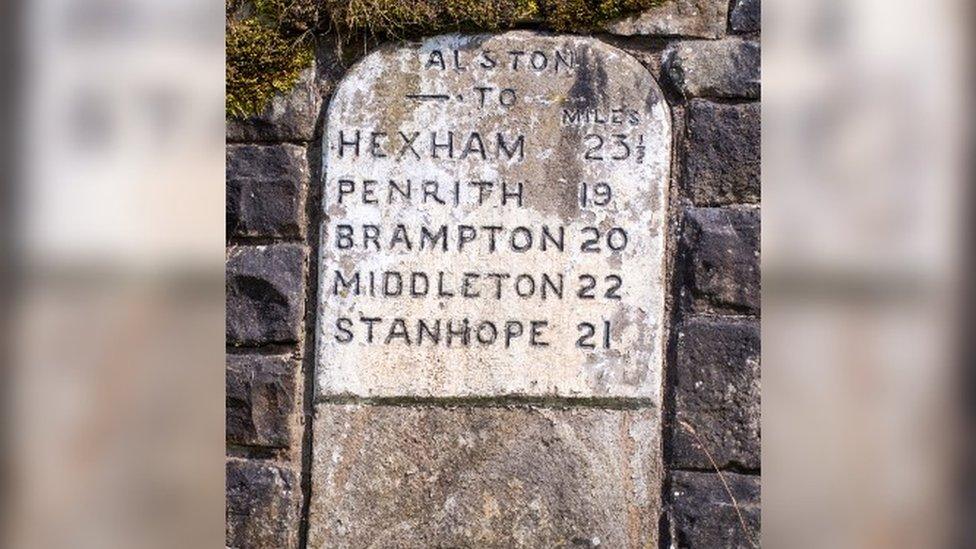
(265, 190)
(288, 116)
(265, 294)
(746, 16)
(262, 508)
(387, 476)
(693, 18)
(723, 68)
(723, 259)
(717, 393)
(704, 515)
(538, 123)
(261, 400)
(722, 153)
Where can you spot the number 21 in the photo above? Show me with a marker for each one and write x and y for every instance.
(588, 330)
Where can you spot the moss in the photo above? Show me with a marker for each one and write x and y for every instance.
(399, 18)
(574, 15)
(396, 18)
(269, 42)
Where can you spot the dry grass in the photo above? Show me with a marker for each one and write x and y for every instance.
(728, 490)
(269, 42)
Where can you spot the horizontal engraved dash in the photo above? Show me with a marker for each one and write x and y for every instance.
(428, 96)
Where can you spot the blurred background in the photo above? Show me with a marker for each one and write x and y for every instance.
(866, 112)
(115, 234)
(115, 426)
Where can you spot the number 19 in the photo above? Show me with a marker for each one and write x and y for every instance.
(599, 195)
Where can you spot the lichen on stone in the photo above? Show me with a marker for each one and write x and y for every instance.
(269, 42)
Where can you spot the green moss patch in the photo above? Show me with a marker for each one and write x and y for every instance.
(584, 15)
(399, 19)
(269, 42)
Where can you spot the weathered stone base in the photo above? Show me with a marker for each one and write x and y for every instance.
(400, 476)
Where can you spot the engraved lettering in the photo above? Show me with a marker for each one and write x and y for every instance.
(474, 146)
(369, 193)
(515, 55)
(408, 144)
(447, 145)
(517, 147)
(435, 58)
(565, 59)
(375, 148)
(429, 240)
(514, 194)
(343, 325)
(346, 186)
(398, 330)
(344, 142)
(487, 61)
(351, 283)
(460, 330)
(415, 279)
(538, 60)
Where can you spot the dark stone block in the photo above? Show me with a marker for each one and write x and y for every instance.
(290, 116)
(717, 393)
(262, 505)
(722, 154)
(260, 400)
(719, 68)
(746, 16)
(723, 259)
(265, 294)
(705, 516)
(265, 187)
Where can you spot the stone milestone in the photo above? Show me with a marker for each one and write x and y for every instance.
(494, 222)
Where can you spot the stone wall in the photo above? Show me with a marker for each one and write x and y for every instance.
(705, 54)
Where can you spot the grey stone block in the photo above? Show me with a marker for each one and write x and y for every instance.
(723, 259)
(727, 68)
(261, 400)
(704, 515)
(722, 153)
(746, 16)
(389, 476)
(289, 116)
(698, 18)
(262, 507)
(265, 294)
(265, 190)
(717, 394)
